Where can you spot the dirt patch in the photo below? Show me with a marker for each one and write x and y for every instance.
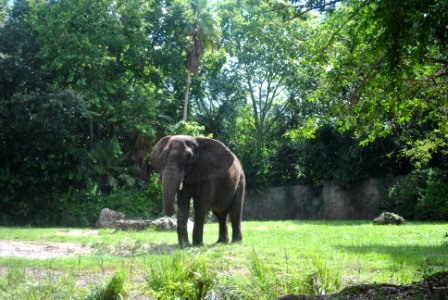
(40, 250)
(77, 233)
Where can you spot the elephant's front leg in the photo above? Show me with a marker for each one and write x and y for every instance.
(199, 219)
(183, 209)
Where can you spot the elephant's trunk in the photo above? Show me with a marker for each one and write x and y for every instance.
(171, 180)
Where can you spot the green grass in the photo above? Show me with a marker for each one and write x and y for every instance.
(275, 258)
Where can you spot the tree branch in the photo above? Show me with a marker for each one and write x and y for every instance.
(333, 36)
(354, 97)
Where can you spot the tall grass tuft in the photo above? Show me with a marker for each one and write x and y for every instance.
(269, 281)
(113, 290)
(263, 281)
(321, 278)
(181, 276)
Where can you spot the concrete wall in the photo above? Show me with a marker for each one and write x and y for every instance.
(329, 202)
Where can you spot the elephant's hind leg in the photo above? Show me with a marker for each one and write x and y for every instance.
(222, 219)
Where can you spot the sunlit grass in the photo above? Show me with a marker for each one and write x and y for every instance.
(276, 257)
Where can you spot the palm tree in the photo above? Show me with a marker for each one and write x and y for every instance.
(204, 34)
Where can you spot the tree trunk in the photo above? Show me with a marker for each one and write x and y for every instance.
(91, 135)
(187, 94)
(259, 129)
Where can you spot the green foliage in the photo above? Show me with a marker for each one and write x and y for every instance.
(380, 73)
(337, 156)
(420, 195)
(433, 202)
(180, 276)
(86, 87)
(69, 118)
(41, 158)
(112, 290)
(265, 72)
(189, 128)
(109, 168)
(145, 203)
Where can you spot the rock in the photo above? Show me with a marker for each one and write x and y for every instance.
(164, 223)
(388, 218)
(108, 217)
(132, 224)
(168, 223)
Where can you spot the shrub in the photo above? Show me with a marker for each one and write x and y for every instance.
(137, 203)
(421, 195)
(433, 201)
(113, 289)
(402, 196)
(180, 277)
(82, 208)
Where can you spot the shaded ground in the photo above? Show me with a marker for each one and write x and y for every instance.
(40, 250)
(434, 287)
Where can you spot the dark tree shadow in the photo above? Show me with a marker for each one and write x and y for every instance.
(424, 256)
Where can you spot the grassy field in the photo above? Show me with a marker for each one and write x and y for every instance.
(275, 258)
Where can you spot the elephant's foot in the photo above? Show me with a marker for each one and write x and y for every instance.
(222, 240)
(198, 244)
(184, 244)
(237, 239)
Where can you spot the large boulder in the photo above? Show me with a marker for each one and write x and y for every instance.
(108, 217)
(387, 218)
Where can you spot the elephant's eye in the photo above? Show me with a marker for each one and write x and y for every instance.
(190, 145)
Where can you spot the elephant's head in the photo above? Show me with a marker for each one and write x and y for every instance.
(186, 159)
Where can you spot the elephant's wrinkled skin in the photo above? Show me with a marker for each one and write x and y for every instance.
(207, 171)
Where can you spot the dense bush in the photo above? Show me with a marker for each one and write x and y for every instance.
(420, 195)
(338, 156)
(41, 158)
(82, 208)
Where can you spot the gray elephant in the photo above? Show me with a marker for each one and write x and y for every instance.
(207, 171)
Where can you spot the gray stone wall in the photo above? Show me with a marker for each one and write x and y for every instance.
(330, 202)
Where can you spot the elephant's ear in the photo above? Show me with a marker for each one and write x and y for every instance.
(214, 158)
(158, 158)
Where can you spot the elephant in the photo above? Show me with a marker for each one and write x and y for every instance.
(207, 171)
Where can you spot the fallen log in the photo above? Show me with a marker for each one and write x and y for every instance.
(136, 225)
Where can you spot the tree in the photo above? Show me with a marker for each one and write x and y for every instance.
(18, 48)
(384, 73)
(203, 34)
(267, 54)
